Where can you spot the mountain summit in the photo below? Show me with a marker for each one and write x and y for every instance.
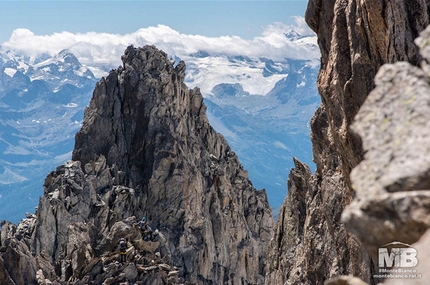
(259, 95)
(145, 149)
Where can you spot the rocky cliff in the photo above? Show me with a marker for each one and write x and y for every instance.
(392, 202)
(145, 149)
(356, 38)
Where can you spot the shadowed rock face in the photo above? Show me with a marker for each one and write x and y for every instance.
(146, 149)
(356, 38)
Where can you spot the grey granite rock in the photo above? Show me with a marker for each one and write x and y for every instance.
(355, 38)
(392, 182)
(145, 149)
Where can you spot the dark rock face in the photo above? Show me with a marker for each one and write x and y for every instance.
(146, 149)
(356, 38)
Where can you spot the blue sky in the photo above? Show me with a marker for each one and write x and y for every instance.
(210, 18)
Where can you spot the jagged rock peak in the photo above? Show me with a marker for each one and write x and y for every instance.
(145, 149)
(286, 243)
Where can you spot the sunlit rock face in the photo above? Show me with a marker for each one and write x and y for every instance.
(356, 38)
(146, 149)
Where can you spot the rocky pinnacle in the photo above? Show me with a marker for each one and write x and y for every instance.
(145, 149)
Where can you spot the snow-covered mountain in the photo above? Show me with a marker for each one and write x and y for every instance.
(41, 108)
(260, 101)
(267, 130)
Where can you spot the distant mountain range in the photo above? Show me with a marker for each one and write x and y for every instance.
(262, 107)
(266, 131)
(41, 108)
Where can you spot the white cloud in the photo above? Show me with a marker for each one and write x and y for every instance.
(103, 49)
(101, 52)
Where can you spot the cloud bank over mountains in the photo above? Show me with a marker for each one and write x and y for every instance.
(102, 51)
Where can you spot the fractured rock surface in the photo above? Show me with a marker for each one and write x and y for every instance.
(145, 149)
(355, 38)
(393, 181)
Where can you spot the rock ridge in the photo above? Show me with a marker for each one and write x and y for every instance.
(145, 149)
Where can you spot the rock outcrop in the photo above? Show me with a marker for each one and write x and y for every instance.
(356, 38)
(145, 149)
(392, 183)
